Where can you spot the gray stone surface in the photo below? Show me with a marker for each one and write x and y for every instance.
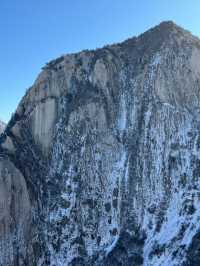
(100, 164)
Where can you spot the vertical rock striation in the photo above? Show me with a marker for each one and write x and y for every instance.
(100, 164)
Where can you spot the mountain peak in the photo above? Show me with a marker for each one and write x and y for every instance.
(169, 24)
(166, 28)
(167, 33)
(171, 28)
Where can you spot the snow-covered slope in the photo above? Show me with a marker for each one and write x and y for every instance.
(100, 165)
(2, 126)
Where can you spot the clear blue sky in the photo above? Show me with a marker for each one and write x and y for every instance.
(32, 32)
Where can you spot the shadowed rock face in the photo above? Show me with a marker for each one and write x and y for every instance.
(100, 163)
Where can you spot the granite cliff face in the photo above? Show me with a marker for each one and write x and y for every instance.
(100, 165)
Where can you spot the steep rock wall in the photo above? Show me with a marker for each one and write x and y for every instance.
(105, 151)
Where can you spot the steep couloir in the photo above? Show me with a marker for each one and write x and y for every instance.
(100, 165)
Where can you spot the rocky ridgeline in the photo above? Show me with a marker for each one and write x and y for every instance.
(100, 165)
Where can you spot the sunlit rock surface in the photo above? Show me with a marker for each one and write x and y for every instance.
(100, 165)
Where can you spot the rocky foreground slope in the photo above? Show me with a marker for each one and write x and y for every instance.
(100, 165)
